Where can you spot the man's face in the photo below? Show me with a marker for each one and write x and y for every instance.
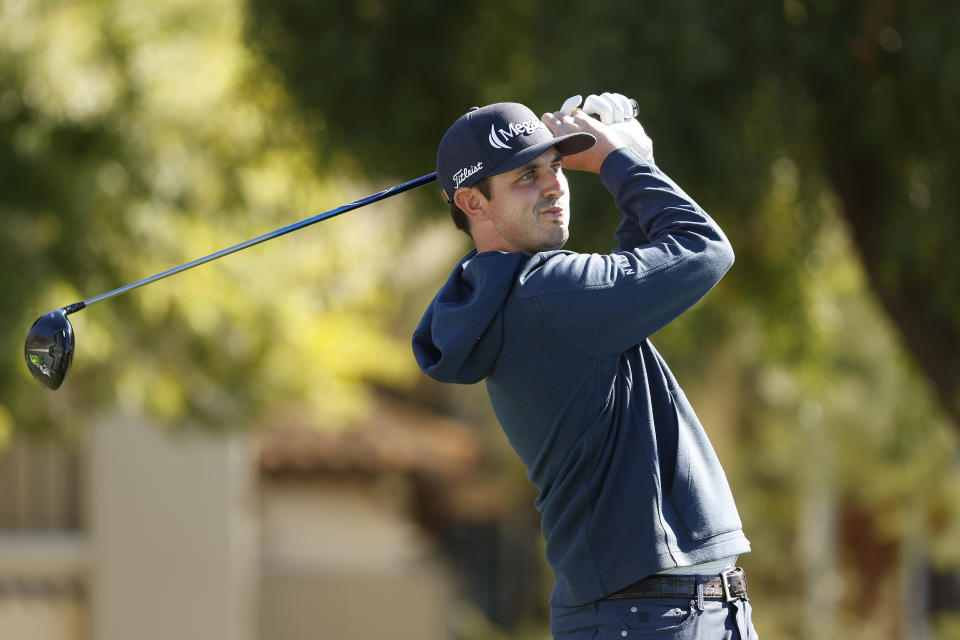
(530, 205)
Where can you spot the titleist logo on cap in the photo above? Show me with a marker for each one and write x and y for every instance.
(465, 173)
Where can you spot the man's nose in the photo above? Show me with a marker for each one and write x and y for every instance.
(555, 184)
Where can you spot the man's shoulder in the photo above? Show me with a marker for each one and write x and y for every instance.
(563, 271)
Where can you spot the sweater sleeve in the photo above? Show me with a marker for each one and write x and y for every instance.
(671, 254)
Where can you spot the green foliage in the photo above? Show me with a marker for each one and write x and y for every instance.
(856, 96)
(141, 136)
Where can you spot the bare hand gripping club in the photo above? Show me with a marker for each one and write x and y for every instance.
(50, 342)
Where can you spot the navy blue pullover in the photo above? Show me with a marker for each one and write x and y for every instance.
(629, 482)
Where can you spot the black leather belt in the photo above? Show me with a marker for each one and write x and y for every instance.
(727, 586)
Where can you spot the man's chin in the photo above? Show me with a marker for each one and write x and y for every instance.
(558, 242)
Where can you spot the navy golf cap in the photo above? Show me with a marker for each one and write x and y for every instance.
(496, 138)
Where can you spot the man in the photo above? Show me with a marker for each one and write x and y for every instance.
(640, 525)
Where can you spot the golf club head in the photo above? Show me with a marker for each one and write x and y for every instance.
(49, 348)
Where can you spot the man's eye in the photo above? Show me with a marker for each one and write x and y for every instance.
(528, 175)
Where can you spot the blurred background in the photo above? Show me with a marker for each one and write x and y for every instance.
(248, 450)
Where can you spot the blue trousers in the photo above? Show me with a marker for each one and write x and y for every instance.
(679, 618)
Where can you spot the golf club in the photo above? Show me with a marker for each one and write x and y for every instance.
(50, 342)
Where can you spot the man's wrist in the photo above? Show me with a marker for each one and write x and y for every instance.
(618, 163)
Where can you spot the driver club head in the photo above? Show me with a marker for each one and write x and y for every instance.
(49, 348)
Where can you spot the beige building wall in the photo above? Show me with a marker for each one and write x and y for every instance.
(43, 552)
(172, 538)
(159, 533)
(39, 579)
(342, 559)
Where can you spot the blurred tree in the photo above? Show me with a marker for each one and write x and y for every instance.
(142, 135)
(857, 97)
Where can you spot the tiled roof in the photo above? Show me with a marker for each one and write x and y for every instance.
(399, 437)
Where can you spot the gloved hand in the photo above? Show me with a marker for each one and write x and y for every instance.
(617, 112)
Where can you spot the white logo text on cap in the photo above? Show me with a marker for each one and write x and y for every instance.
(465, 173)
(499, 138)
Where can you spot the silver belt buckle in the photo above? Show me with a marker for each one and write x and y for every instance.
(725, 581)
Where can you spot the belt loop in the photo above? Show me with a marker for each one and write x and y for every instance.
(738, 610)
(700, 606)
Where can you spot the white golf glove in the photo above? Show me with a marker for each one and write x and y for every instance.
(617, 112)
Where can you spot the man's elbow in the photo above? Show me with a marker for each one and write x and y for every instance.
(726, 252)
(718, 258)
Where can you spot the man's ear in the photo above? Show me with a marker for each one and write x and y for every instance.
(471, 202)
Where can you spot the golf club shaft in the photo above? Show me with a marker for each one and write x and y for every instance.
(386, 193)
